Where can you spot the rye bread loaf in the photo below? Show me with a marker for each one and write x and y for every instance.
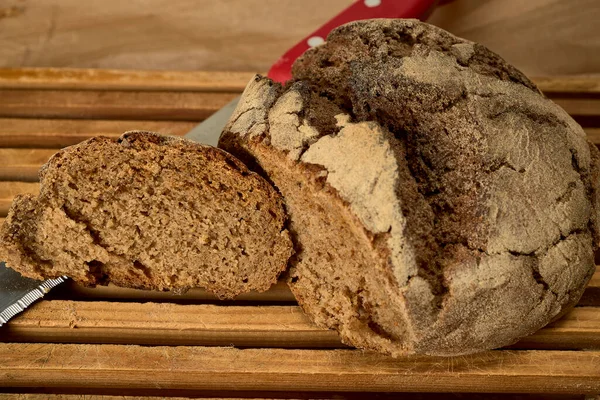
(438, 202)
(149, 211)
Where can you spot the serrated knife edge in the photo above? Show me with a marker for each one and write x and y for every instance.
(29, 298)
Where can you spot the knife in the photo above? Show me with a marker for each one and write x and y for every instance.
(18, 292)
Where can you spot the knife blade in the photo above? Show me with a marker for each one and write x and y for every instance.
(209, 130)
(17, 292)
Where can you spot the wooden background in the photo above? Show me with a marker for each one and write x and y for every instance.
(71, 344)
(542, 37)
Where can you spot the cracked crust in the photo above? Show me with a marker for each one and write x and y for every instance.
(149, 211)
(466, 200)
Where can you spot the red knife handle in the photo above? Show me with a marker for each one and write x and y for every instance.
(281, 71)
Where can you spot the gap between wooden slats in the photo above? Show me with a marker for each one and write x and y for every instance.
(69, 321)
(125, 394)
(135, 395)
(112, 104)
(208, 368)
(34, 396)
(106, 79)
(277, 293)
(591, 296)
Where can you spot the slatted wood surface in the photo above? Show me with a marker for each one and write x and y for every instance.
(110, 340)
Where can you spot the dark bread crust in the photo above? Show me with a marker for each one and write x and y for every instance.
(493, 217)
(149, 211)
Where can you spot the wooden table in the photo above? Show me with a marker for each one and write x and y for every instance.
(540, 37)
(110, 340)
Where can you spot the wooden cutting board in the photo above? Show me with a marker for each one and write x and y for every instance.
(109, 340)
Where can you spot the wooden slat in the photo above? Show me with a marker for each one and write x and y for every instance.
(552, 85)
(579, 329)
(68, 321)
(83, 78)
(107, 79)
(57, 133)
(593, 135)
(586, 107)
(167, 324)
(204, 368)
(8, 190)
(22, 164)
(156, 105)
(159, 105)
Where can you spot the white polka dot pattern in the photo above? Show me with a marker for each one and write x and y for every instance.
(372, 3)
(315, 41)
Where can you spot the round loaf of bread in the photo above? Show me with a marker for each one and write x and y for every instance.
(439, 203)
(152, 212)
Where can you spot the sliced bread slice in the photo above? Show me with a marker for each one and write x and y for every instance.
(149, 211)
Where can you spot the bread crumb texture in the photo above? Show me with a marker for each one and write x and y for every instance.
(439, 203)
(152, 212)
